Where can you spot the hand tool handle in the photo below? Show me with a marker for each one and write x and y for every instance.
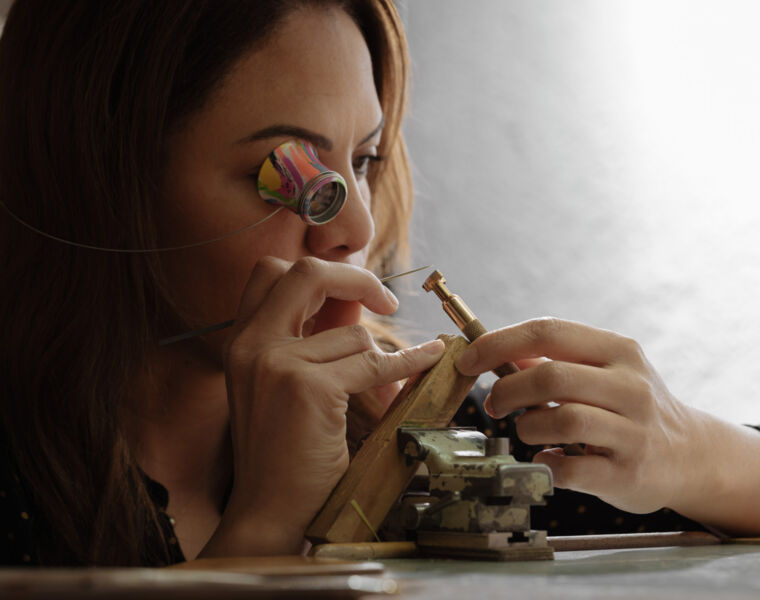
(472, 331)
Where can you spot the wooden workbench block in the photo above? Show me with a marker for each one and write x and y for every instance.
(379, 474)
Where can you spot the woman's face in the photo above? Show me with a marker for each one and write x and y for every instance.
(312, 80)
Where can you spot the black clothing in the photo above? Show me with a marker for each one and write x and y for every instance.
(19, 521)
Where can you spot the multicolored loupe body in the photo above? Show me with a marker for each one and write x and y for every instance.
(293, 177)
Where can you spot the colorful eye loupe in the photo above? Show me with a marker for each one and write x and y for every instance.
(293, 177)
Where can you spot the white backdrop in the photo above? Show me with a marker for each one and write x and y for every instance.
(595, 160)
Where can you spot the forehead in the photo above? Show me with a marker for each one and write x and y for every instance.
(315, 64)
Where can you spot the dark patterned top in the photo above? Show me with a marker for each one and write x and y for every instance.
(566, 512)
(19, 520)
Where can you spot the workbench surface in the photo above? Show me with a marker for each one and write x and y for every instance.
(720, 571)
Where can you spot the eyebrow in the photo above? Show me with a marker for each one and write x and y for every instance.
(316, 139)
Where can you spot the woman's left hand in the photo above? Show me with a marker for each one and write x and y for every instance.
(599, 389)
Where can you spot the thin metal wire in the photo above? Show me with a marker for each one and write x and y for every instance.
(138, 250)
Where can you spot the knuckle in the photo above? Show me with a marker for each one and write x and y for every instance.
(374, 361)
(266, 363)
(645, 391)
(631, 351)
(237, 355)
(637, 475)
(270, 263)
(552, 378)
(271, 360)
(308, 266)
(407, 359)
(527, 431)
(360, 335)
(545, 328)
(245, 362)
(573, 421)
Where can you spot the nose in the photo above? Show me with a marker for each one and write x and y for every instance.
(348, 233)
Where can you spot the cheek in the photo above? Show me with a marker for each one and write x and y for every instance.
(207, 281)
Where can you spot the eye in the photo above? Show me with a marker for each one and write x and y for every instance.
(363, 163)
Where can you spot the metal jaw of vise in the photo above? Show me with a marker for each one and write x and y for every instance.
(478, 500)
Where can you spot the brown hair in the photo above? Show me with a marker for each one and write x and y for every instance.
(88, 94)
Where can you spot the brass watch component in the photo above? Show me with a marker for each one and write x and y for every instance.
(461, 314)
(472, 328)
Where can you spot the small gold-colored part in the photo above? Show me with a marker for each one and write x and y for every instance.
(462, 316)
(454, 306)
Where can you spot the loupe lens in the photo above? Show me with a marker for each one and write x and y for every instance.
(293, 177)
(324, 201)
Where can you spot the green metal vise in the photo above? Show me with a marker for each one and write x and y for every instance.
(478, 500)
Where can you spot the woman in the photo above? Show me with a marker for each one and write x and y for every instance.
(142, 125)
(137, 125)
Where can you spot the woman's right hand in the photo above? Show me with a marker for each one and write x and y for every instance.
(288, 393)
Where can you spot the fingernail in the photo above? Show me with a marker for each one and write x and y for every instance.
(467, 360)
(391, 296)
(488, 408)
(432, 347)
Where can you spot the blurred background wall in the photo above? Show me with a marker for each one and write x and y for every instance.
(595, 160)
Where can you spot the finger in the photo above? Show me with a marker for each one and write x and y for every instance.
(590, 474)
(571, 423)
(265, 274)
(387, 393)
(529, 363)
(549, 337)
(302, 291)
(372, 368)
(336, 313)
(334, 344)
(559, 381)
(487, 406)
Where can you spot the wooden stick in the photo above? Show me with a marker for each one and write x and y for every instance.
(379, 473)
(366, 550)
(562, 543)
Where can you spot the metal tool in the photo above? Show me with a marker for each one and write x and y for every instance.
(225, 324)
(472, 328)
(478, 498)
(462, 316)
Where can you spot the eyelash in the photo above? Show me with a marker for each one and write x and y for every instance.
(363, 167)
